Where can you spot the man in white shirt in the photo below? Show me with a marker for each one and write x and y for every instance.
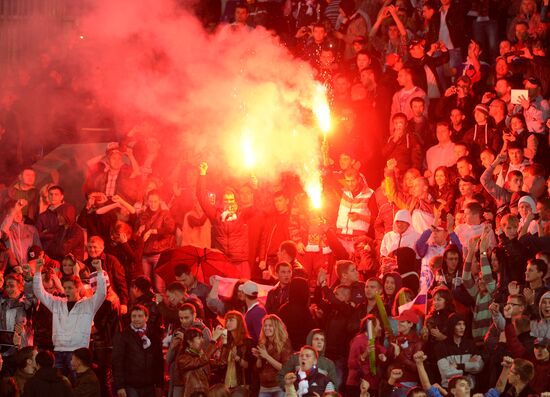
(402, 98)
(442, 154)
(72, 316)
(472, 226)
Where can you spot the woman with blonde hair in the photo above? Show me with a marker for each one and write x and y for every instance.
(236, 352)
(274, 349)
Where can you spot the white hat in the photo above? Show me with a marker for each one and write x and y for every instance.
(249, 288)
(529, 200)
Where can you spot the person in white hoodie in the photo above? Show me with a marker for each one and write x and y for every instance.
(72, 316)
(541, 328)
(402, 235)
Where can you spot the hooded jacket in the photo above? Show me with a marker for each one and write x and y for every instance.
(295, 313)
(448, 353)
(393, 240)
(337, 316)
(541, 328)
(69, 238)
(324, 365)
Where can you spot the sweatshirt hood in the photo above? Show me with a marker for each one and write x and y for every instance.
(309, 340)
(396, 278)
(402, 215)
(68, 212)
(546, 295)
(298, 292)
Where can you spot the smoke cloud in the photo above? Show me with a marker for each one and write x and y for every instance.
(213, 93)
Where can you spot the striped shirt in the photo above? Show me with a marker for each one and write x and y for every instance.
(482, 319)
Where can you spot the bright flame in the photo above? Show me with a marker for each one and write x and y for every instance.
(314, 189)
(322, 109)
(248, 151)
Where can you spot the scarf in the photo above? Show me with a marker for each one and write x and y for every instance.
(303, 382)
(231, 373)
(228, 216)
(146, 342)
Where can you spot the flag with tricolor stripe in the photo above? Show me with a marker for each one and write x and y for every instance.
(420, 302)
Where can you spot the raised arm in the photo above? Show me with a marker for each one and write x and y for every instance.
(469, 283)
(101, 291)
(393, 12)
(486, 271)
(43, 296)
(419, 358)
(202, 196)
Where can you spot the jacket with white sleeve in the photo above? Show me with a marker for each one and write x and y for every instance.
(71, 329)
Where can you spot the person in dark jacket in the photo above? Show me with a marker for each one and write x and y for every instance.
(402, 145)
(424, 64)
(69, 237)
(86, 384)
(275, 231)
(112, 266)
(229, 227)
(337, 313)
(457, 355)
(278, 296)
(106, 325)
(47, 223)
(295, 313)
(142, 294)
(138, 365)
(157, 228)
(47, 382)
(482, 134)
(127, 247)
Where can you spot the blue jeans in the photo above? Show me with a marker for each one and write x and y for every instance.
(63, 363)
(272, 394)
(486, 33)
(149, 263)
(455, 60)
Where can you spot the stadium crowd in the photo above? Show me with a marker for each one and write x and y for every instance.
(424, 272)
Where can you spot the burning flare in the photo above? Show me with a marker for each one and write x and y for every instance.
(322, 110)
(314, 189)
(248, 151)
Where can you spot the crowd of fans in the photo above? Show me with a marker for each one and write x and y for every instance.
(424, 272)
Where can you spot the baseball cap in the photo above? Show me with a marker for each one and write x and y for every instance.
(408, 315)
(34, 252)
(541, 342)
(249, 288)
